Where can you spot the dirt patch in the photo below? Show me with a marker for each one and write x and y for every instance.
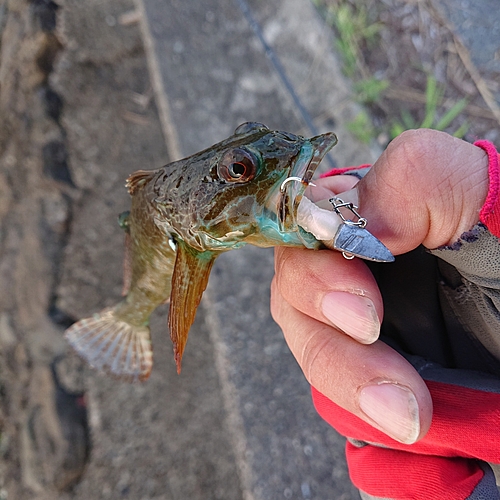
(44, 432)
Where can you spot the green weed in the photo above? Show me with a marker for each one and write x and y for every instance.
(433, 97)
(369, 90)
(354, 31)
(362, 127)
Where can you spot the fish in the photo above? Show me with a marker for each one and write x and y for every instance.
(243, 190)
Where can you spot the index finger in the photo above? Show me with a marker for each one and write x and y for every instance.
(328, 288)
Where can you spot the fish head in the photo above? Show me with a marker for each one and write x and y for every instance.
(250, 187)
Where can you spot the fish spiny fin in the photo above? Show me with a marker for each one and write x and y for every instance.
(189, 280)
(113, 346)
(138, 179)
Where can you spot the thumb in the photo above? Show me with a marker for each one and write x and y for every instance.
(426, 188)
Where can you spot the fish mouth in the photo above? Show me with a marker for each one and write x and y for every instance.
(292, 188)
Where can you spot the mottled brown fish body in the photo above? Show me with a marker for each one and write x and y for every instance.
(118, 340)
(182, 217)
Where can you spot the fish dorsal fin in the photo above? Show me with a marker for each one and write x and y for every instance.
(190, 277)
(138, 179)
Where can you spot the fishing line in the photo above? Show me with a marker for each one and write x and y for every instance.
(243, 5)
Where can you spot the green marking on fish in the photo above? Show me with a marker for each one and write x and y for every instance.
(182, 217)
(123, 220)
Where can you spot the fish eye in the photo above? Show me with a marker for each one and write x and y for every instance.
(237, 165)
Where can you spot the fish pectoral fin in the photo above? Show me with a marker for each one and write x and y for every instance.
(113, 346)
(189, 280)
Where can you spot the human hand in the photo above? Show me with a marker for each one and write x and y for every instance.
(427, 188)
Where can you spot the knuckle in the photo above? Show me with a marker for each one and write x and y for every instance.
(410, 160)
(416, 147)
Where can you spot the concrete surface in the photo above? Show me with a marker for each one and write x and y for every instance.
(478, 26)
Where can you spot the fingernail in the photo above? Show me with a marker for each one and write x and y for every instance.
(354, 314)
(394, 408)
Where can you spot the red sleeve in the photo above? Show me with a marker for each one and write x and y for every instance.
(465, 425)
(464, 421)
(340, 171)
(490, 213)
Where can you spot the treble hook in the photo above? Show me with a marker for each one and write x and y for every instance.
(294, 179)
